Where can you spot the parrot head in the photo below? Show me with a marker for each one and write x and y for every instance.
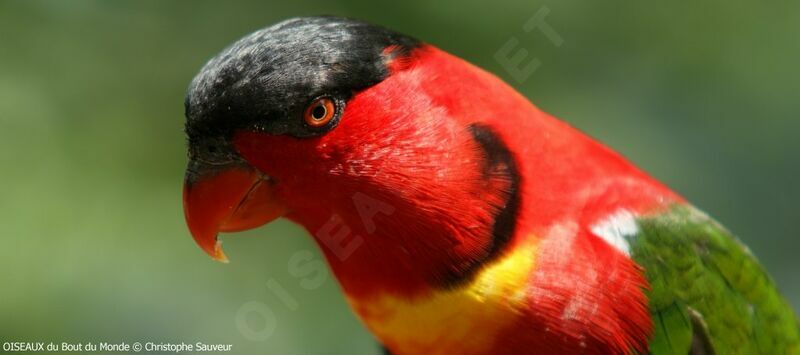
(337, 125)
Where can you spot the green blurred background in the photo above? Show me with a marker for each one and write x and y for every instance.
(94, 248)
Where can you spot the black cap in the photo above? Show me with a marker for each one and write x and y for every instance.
(265, 80)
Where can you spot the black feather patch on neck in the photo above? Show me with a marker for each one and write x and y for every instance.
(499, 163)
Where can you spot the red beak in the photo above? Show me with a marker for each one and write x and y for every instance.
(234, 199)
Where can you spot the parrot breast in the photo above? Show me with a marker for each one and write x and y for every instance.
(465, 320)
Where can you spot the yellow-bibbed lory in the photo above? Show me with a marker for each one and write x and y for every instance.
(457, 217)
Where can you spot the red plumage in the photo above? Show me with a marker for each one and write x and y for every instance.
(403, 142)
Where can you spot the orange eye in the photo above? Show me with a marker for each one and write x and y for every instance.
(320, 112)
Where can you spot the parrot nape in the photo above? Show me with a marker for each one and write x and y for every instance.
(458, 217)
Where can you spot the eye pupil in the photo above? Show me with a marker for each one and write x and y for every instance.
(319, 112)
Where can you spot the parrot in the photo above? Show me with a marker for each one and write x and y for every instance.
(456, 216)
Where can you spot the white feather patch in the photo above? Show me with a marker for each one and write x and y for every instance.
(616, 229)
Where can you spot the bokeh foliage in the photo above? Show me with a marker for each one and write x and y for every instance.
(704, 95)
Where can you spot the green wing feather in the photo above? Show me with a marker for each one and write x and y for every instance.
(708, 294)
